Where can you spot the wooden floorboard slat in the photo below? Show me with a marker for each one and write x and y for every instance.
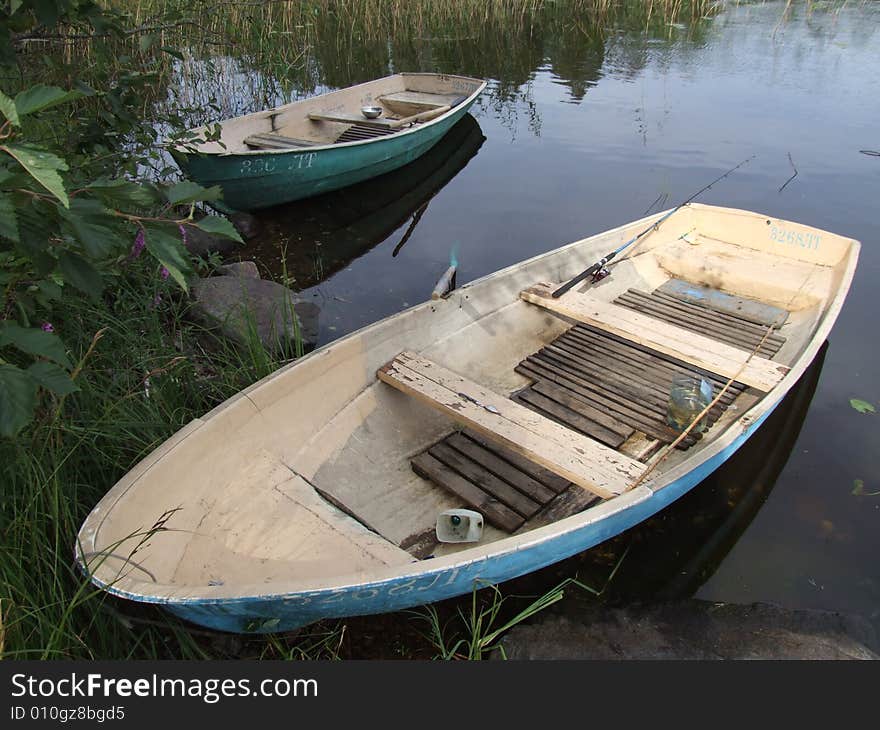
(648, 423)
(550, 480)
(502, 469)
(495, 512)
(568, 417)
(484, 479)
(607, 341)
(707, 314)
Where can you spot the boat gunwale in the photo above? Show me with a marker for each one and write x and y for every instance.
(179, 147)
(169, 593)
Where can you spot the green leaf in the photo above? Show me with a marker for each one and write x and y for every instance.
(190, 192)
(81, 274)
(862, 406)
(146, 41)
(8, 221)
(87, 219)
(859, 489)
(172, 52)
(220, 226)
(18, 398)
(43, 167)
(52, 377)
(41, 97)
(7, 107)
(168, 248)
(34, 342)
(126, 192)
(50, 290)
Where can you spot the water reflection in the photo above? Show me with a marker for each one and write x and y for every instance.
(317, 237)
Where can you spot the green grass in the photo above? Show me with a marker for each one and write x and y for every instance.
(144, 372)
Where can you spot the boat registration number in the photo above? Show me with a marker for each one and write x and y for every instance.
(795, 238)
(268, 165)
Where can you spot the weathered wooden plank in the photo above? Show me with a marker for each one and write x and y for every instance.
(546, 477)
(496, 513)
(716, 330)
(684, 344)
(270, 141)
(652, 373)
(613, 342)
(625, 377)
(569, 418)
(493, 463)
(485, 480)
(647, 394)
(620, 408)
(563, 396)
(567, 503)
(578, 458)
(713, 315)
(344, 118)
(758, 312)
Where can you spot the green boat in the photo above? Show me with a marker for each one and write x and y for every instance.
(327, 142)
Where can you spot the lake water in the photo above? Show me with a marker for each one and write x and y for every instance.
(580, 132)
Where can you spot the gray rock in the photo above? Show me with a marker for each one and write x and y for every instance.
(240, 306)
(199, 243)
(695, 630)
(247, 225)
(247, 269)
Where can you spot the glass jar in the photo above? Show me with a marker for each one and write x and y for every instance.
(688, 396)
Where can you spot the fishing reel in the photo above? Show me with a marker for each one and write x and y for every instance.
(600, 274)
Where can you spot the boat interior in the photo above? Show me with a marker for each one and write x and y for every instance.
(527, 408)
(402, 101)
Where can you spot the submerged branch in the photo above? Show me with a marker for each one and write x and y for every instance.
(793, 176)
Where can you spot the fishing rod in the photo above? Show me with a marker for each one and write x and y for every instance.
(598, 271)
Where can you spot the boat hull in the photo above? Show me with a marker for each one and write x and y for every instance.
(265, 179)
(271, 613)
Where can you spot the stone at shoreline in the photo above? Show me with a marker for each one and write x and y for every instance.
(246, 269)
(200, 243)
(695, 630)
(247, 225)
(237, 305)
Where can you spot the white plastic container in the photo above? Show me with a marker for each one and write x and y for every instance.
(459, 525)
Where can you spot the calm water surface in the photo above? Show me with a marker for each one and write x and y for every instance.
(579, 133)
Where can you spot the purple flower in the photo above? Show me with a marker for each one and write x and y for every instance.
(156, 300)
(140, 242)
(164, 273)
(182, 234)
(47, 327)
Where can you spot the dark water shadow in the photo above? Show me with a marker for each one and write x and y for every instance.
(310, 240)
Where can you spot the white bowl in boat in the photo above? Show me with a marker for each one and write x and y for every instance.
(371, 112)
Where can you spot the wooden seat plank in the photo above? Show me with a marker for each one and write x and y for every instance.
(660, 336)
(576, 457)
(343, 118)
(421, 98)
(268, 140)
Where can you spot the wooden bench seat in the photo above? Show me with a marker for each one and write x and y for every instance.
(270, 141)
(580, 459)
(360, 119)
(691, 347)
(412, 102)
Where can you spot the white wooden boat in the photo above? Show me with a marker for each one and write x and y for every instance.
(315, 492)
(326, 142)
